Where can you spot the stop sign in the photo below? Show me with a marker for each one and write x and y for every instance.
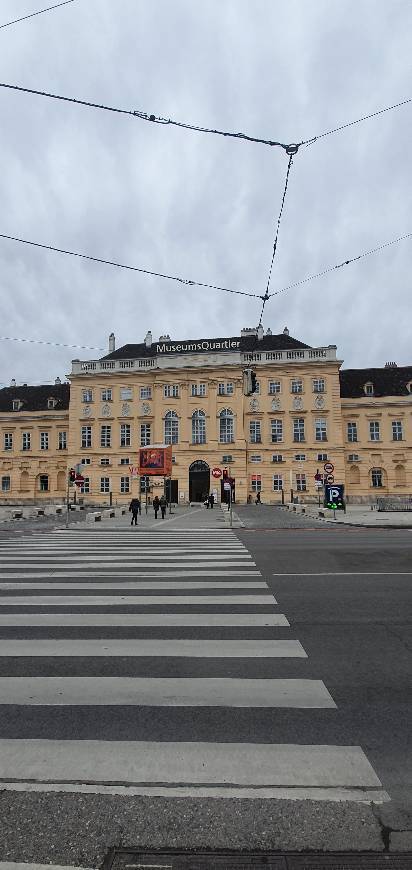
(217, 472)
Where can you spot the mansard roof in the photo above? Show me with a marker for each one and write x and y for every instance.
(36, 398)
(387, 381)
(245, 345)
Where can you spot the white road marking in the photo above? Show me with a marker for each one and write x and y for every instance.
(139, 647)
(109, 573)
(52, 565)
(112, 600)
(347, 574)
(140, 585)
(163, 692)
(15, 865)
(136, 619)
(191, 763)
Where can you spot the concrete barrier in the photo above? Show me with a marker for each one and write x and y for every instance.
(108, 514)
(17, 515)
(94, 517)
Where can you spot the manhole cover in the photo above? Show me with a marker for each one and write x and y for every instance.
(130, 859)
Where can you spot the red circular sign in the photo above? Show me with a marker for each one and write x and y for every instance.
(329, 468)
(217, 472)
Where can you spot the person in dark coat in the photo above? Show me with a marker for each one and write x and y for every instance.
(156, 505)
(163, 505)
(134, 509)
(211, 500)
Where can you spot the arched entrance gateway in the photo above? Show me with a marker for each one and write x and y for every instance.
(199, 480)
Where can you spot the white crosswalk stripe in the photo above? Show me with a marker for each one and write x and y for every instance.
(81, 630)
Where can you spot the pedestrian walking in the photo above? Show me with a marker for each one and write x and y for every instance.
(163, 505)
(139, 505)
(156, 505)
(258, 501)
(211, 500)
(134, 510)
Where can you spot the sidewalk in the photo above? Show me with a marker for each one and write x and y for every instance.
(185, 517)
(362, 515)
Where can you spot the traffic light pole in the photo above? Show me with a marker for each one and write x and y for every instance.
(67, 501)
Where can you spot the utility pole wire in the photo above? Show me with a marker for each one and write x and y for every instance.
(341, 265)
(357, 121)
(275, 243)
(155, 119)
(180, 280)
(33, 14)
(51, 343)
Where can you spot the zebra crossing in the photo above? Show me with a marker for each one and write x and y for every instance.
(169, 637)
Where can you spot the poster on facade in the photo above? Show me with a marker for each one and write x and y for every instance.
(155, 460)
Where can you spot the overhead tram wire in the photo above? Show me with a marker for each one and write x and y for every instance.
(141, 270)
(275, 243)
(33, 14)
(50, 343)
(341, 265)
(356, 121)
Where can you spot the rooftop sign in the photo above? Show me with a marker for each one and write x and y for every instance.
(198, 346)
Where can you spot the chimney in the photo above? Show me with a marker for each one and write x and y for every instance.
(13, 382)
(112, 342)
(164, 338)
(285, 331)
(57, 381)
(269, 332)
(391, 365)
(248, 331)
(259, 332)
(148, 339)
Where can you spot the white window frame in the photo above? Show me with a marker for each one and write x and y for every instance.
(105, 435)
(255, 431)
(105, 461)
(198, 390)
(321, 429)
(276, 430)
(256, 483)
(397, 430)
(4, 486)
(86, 437)
(42, 487)
(318, 385)
(296, 386)
(376, 478)
(277, 457)
(105, 484)
(62, 440)
(298, 430)
(277, 482)
(171, 428)
(106, 394)
(274, 388)
(322, 457)
(170, 391)
(145, 434)
(26, 441)
(125, 484)
(87, 396)
(16, 405)
(86, 460)
(255, 458)
(352, 431)
(8, 440)
(226, 426)
(85, 486)
(198, 427)
(126, 394)
(125, 434)
(301, 482)
(374, 430)
(145, 392)
(44, 440)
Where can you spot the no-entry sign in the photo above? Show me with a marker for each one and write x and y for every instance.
(329, 468)
(216, 472)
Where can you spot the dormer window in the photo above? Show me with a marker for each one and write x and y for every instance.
(17, 404)
(51, 403)
(368, 389)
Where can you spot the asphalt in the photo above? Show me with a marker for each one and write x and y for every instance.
(347, 594)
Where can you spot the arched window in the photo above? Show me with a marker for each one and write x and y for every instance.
(354, 475)
(400, 475)
(226, 426)
(198, 427)
(171, 428)
(377, 478)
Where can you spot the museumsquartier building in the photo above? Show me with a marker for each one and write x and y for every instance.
(307, 411)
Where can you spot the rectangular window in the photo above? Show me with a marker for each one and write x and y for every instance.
(62, 442)
(105, 460)
(274, 387)
(26, 440)
(225, 389)
(126, 394)
(5, 483)
(124, 460)
(16, 405)
(374, 430)
(107, 395)
(86, 436)
(277, 482)
(105, 484)
(125, 484)
(221, 389)
(145, 392)
(322, 457)
(86, 460)
(8, 440)
(229, 389)
(44, 483)
(145, 483)
(300, 457)
(256, 483)
(198, 427)
(318, 385)
(255, 432)
(85, 486)
(44, 440)
(226, 428)
(298, 429)
(125, 435)
(321, 433)
(352, 429)
(301, 482)
(376, 475)
(171, 391)
(256, 459)
(198, 389)
(87, 396)
(396, 430)
(353, 457)
(105, 436)
(277, 457)
(276, 429)
(296, 385)
(145, 431)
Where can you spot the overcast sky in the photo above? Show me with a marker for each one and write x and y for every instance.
(201, 206)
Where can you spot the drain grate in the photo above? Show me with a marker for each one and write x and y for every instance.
(133, 859)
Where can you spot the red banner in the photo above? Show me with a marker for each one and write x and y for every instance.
(155, 460)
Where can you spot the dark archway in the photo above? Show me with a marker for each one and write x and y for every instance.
(199, 480)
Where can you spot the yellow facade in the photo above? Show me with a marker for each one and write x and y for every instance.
(192, 395)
